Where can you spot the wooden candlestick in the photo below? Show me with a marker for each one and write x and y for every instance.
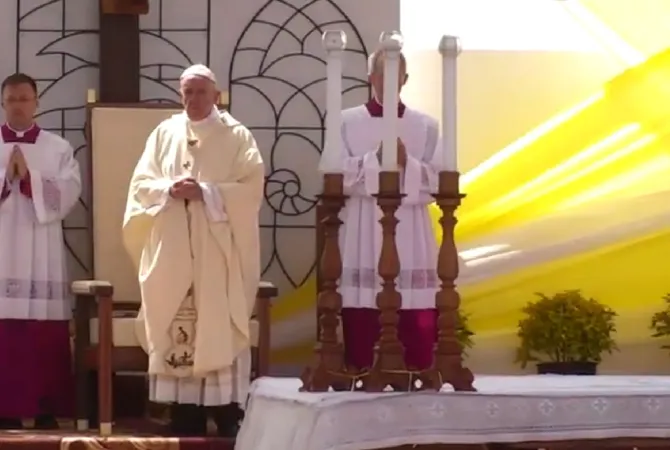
(328, 369)
(448, 354)
(389, 366)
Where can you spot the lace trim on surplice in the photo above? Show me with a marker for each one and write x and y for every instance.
(33, 290)
(409, 279)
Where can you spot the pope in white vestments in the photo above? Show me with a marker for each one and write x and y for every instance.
(191, 228)
(40, 182)
(361, 233)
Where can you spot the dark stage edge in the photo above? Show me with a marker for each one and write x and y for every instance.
(130, 434)
(31, 440)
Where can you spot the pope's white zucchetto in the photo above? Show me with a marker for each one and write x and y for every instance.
(198, 71)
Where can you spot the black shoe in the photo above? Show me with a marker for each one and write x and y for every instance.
(46, 422)
(188, 420)
(227, 419)
(10, 424)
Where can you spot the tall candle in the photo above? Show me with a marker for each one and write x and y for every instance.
(391, 44)
(332, 158)
(450, 48)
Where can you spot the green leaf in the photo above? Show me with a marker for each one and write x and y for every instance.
(464, 333)
(565, 327)
(660, 322)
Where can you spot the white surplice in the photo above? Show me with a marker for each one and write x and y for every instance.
(361, 233)
(33, 282)
(225, 160)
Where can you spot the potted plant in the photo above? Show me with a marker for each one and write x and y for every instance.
(660, 322)
(566, 333)
(464, 333)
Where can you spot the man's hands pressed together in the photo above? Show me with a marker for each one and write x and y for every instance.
(186, 189)
(17, 168)
(402, 154)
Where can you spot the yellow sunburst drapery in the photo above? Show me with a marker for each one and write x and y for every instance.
(578, 203)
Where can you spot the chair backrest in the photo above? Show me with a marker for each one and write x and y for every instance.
(117, 136)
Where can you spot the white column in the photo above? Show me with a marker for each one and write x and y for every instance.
(391, 44)
(334, 42)
(450, 48)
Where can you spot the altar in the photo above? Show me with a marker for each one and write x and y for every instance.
(392, 405)
(504, 410)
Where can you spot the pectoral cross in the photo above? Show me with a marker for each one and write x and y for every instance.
(187, 165)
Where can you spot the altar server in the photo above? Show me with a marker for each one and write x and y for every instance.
(191, 227)
(361, 234)
(40, 182)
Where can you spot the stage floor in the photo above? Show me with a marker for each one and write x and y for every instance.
(129, 435)
(506, 409)
(40, 441)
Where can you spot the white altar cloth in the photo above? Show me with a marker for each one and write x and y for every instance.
(505, 409)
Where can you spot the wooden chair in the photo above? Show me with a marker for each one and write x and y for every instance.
(106, 307)
(105, 343)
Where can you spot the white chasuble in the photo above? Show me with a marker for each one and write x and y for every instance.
(33, 272)
(199, 261)
(361, 234)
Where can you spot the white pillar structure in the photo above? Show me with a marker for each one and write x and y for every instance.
(450, 48)
(391, 44)
(334, 42)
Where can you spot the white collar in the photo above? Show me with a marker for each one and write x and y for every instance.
(20, 133)
(214, 114)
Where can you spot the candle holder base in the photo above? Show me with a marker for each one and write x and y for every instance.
(388, 369)
(328, 370)
(448, 355)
